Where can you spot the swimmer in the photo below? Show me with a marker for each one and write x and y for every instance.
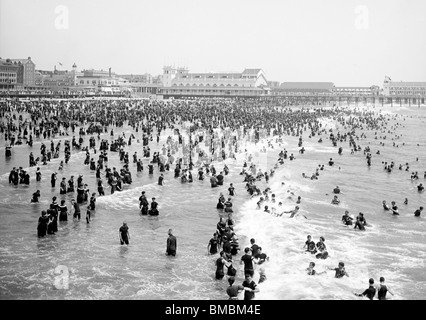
(336, 190)
(221, 262)
(35, 197)
(382, 289)
(234, 290)
(293, 212)
(335, 200)
(321, 247)
(418, 212)
(123, 233)
(228, 206)
(340, 271)
(385, 206)
(359, 224)
(370, 292)
(347, 219)
(394, 208)
(212, 247)
(250, 287)
(171, 244)
(310, 245)
(310, 270)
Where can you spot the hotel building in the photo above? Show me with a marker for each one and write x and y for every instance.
(403, 89)
(25, 75)
(178, 82)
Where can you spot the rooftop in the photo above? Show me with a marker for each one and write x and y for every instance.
(307, 85)
(406, 84)
(252, 71)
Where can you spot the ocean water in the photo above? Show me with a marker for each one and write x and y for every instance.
(98, 267)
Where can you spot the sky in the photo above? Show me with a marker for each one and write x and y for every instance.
(349, 43)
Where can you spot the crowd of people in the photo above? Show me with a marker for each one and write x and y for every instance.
(216, 129)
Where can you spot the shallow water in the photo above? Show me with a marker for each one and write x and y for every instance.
(100, 268)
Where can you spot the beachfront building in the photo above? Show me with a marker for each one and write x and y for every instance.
(404, 92)
(323, 93)
(8, 74)
(25, 75)
(101, 81)
(400, 88)
(142, 85)
(179, 82)
(357, 91)
(57, 78)
(137, 78)
(304, 89)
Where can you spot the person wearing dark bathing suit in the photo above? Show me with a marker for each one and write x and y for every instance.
(346, 219)
(153, 211)
(310, 245)
(310, 270)
(340, 271)
(385, 206)
(370, 292)
(93, 201)
(261, 259)
(63, 211)
(247, 259)
(418, 212)
(383, 289)
(35, 197)
(77, 212)
(43, 222)
(250, 287)
(228, 206)
(221, 226)
(394, 208)
(359, 224)
(212, 247)
(221, 262)
(161, 180)
(221, 202)
(101, 190)
(142, 199)
(53, 179)
(123, 234)
(234, 290)
(63, 186)
(322, 249)
(80, 194)
(253, 247)
(52, 227)
(171, 244)
(231, 190)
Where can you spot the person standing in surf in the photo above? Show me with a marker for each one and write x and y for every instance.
(171, 244)
(123, 234)
(370, 292)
